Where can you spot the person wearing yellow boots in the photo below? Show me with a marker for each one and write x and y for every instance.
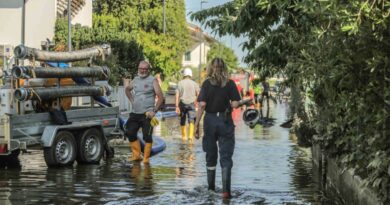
(186, 93)
(142, 92)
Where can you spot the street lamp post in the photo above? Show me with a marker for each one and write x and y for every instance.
(164, 24)
(23, 23)
(77, 101)
(200, 46)
(69, 25)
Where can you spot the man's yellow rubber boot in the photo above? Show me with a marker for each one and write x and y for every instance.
(184, 132)
(147, 151)
(135, 150)
(191, 131)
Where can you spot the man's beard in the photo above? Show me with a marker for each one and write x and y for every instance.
(143, 75)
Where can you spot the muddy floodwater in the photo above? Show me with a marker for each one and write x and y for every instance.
(269, 168)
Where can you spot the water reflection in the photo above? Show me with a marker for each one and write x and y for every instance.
(142, 178)
(268, 169)
(185, 158)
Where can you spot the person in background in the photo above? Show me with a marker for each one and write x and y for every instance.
(141, 92)
(186, 94)
(158, 78)
(218, 96)
(1, 76)
(266, 91)
(251, 93)
(257, 93)
(160, 83)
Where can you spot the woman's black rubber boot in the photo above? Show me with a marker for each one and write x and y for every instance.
(211, 179)
(226, 177)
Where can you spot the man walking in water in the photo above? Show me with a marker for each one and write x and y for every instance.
(186, 94)
(142, 92)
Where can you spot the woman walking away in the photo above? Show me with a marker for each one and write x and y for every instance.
(218, 95)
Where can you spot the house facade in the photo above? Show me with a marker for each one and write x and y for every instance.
(201, 42)
(32, 21)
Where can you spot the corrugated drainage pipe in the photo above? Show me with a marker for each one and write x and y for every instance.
(26, 72)
(24, 52)
(24, 94)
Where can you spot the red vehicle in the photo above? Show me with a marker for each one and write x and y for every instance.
(242, 80)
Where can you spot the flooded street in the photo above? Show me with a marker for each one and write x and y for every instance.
(268, 168)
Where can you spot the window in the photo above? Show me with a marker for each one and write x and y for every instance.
(187, 56)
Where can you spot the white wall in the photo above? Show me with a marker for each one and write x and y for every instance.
(84, 17)
(39, 21)
(10, 21)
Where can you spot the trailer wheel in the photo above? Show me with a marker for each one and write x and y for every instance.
(91, 147)
(63, 150)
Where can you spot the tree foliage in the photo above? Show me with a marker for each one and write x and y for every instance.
(338, 53)
(220, 50)
(135, 31)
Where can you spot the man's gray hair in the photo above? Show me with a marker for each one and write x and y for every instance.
(145, 62)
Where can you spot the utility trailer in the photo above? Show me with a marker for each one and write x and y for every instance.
(84, 139)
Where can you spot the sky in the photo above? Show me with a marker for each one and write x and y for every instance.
(232, 42)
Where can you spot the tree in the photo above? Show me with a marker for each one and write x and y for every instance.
(143, 19)
(220, 50)
(135, 31)
(337, 52)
